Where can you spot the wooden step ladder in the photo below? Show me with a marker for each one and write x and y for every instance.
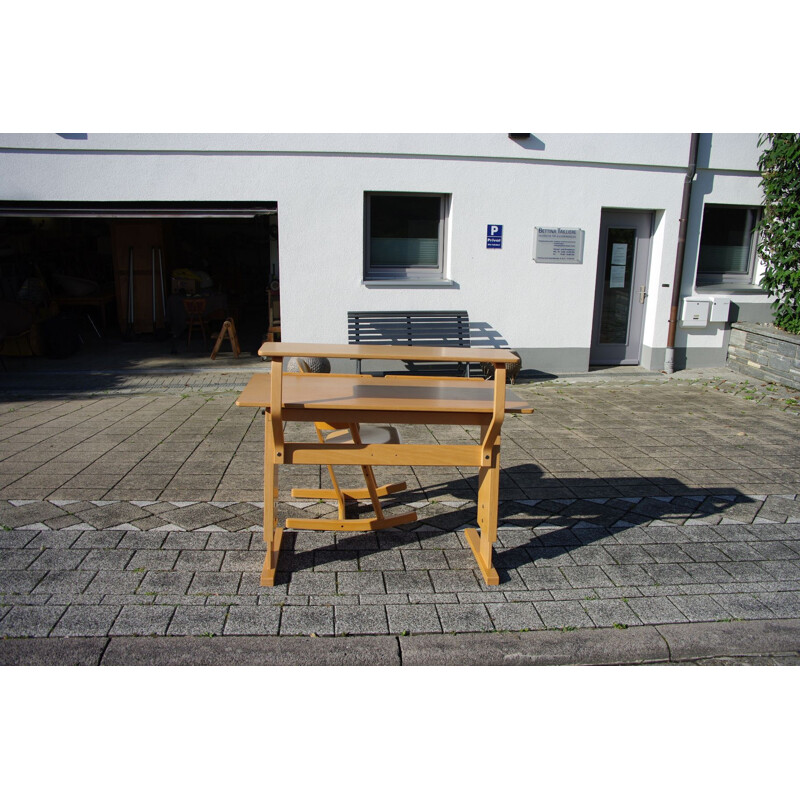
(228, 330)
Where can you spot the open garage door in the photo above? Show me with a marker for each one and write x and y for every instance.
(123, 271)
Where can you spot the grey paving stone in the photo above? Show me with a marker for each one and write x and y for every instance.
(413, 619)
(243, 561)
(358, 583)
(563, 613)
(785, 604)
(335, 560)
(361, 619)
(59, 559)
(197, 621)
(231, 600)
(185, 540)
(333, 600)
(227, 540)
(699, 608)
(30, 620)
(463, 617)
(180, 600)
(453, 581)
(86, 621)
(774, 551)
(591, 555)
(782, 570)
(655, 610)
(745, 571)
(214, 583)
(514, 616)
(306, 583)
(406, 582)
(538, 578)
(140, 540)
(54, 539)
(580, 577)
(672, 574)
(165, 582)
(627, 575)
(707, 573)
(143, 620)
(199, 560)
(17, 559)
(744, 606)
(64, 581)
(252, 621)
(368, 599)
(425, 559)
(307, 620)
(151, 559)
(106, 560)
(96, 539)
(14, 539)
(610, 612)
(381, 560)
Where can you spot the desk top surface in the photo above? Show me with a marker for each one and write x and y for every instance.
(390, 393)
(391, 352)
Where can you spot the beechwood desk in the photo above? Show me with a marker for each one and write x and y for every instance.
(351, 400)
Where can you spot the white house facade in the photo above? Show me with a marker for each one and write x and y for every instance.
(563, 247)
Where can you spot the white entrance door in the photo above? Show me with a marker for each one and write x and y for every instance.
(621, 293)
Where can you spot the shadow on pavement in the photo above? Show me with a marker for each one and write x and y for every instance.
(530, 529)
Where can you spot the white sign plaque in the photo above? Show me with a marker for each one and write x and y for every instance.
(556, 245)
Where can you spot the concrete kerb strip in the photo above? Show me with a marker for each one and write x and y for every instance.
(648, 644)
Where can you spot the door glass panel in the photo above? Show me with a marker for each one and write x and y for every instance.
(617, 285)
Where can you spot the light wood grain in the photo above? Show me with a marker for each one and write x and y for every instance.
(365, 393)
(385, 351)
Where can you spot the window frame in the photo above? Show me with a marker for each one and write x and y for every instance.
(731, 280)
(408, 273)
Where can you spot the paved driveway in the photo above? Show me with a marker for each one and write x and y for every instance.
(625, 503)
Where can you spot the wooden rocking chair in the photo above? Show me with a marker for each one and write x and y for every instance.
(356, 434)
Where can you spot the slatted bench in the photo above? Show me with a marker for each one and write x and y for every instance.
(412, 328)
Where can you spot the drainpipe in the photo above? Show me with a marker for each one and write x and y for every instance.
(669, 358)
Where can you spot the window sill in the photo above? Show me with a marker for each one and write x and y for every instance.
(407, 283)
(730, 288)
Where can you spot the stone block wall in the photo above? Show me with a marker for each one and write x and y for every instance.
(764, 352)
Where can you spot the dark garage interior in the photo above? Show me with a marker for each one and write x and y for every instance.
(111, 282)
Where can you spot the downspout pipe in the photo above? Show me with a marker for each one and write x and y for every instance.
(669, 358)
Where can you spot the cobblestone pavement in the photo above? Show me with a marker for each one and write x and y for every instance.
(134, 511)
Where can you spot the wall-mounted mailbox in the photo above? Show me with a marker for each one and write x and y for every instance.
(695, 313)
(720, 309)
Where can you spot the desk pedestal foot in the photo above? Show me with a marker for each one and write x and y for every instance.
(271, 559)
(489, 572)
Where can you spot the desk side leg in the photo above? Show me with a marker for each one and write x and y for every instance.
(272, 533)
(488, 498)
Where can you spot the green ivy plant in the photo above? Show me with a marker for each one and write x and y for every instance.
(779, 231)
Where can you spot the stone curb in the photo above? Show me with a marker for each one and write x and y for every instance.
(657, 644)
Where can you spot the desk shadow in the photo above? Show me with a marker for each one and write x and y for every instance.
(538, 518)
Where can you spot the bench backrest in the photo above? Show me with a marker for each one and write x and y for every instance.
(413, 328)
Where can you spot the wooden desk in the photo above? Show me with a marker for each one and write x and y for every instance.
(349, 399)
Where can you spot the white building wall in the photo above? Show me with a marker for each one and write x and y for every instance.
(319, 181)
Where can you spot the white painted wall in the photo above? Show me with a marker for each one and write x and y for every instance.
(319, 181)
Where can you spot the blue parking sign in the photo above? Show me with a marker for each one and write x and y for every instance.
(494, 236)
